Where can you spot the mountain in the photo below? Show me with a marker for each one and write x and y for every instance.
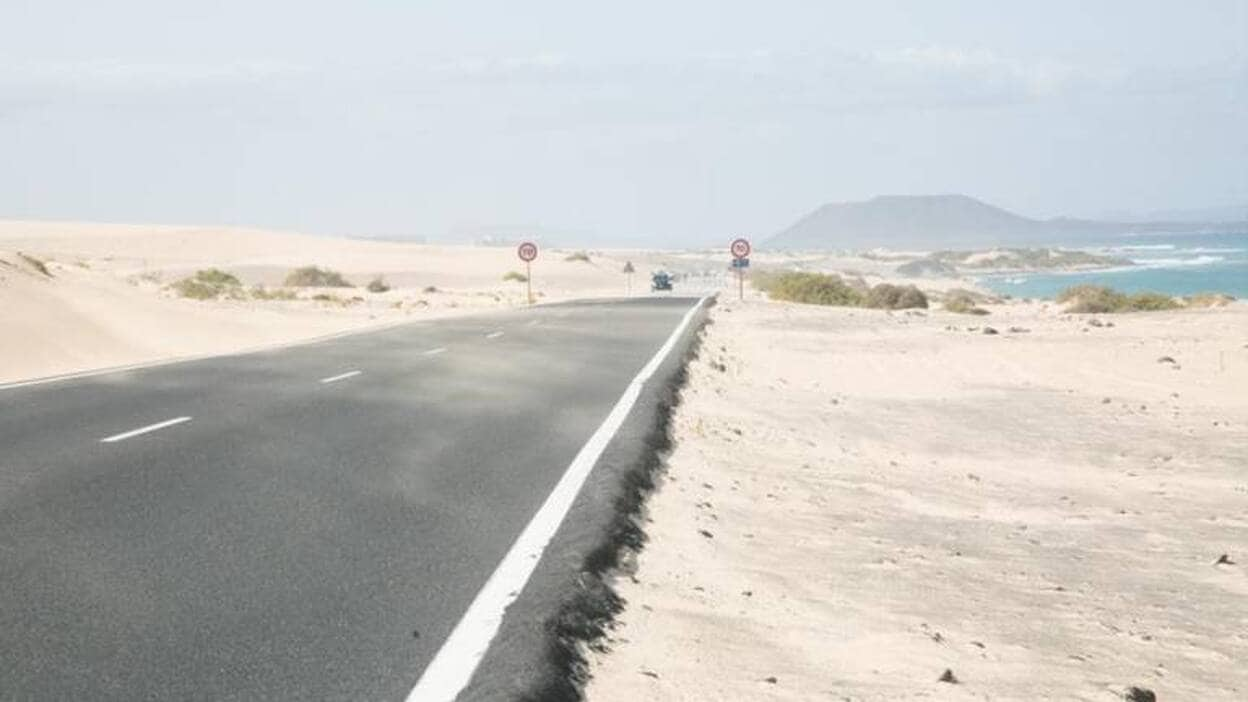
(947, 221)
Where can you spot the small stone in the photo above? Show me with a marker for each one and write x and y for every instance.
(771, 679)
(1224, 559)
(948, 677)
(1139, 694)
(990, 331)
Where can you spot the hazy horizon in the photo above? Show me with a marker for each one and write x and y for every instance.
(645, 123)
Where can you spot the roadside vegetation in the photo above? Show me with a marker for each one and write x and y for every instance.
(262, 293)
(1208, 300)
(313, 277)
(578, 256)
(964, 302)
(378, 285)
(209, 284)
(1098, 299)
(827, 289)
(516, 276)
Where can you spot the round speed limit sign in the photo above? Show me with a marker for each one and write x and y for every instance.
(740, 248)
(527, 251)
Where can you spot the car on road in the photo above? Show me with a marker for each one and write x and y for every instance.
(660, 280)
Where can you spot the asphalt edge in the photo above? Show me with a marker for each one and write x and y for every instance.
(569, 605)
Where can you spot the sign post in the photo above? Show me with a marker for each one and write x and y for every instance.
(628, 278)
(527, 251)
(740, 261)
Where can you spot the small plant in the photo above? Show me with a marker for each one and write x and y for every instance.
(1098, 299)
(378, 285)
(429, 289)
(313, 277)
(35, 263)
(209, 284)
(577, 256)
(963, 302)
(516, 276)
(1208, 300)
(812, 288)
(262, 293)
(895, 297)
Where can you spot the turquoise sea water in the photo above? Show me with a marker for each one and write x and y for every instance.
(1173, 264)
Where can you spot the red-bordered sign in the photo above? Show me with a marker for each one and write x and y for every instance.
(527, 251)
(740, 248)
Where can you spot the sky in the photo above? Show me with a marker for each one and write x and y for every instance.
(638, 122)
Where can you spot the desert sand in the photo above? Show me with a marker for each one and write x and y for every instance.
(103, 298)
(859, 500)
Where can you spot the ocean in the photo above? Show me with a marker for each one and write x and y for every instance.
(1171, 264)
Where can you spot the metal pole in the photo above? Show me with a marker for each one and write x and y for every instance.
(528, 279)
(741, 284)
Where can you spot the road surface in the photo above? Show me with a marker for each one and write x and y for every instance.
(302, 523)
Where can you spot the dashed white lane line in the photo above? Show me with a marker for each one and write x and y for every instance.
(494, 334)
(434, 352)
(341, 376)
(453, 665)
(143, 430)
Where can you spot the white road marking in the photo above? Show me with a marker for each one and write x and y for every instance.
(143, 430)
(434, 352)
(494, 334)
(451, 669)
(342, 376)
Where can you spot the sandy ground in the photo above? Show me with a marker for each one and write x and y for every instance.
(859, 500)
(105, 300)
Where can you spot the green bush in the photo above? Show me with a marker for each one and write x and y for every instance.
(1098, 299)
(812, 288)
(378, 285)
(577, 256)
(963, 302)
(1208, 300)
(209, 284)
(313, 277)
(516, 276)
(895, 297)
(262, 293)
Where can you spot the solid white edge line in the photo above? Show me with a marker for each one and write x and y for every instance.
(341, 376)
(494, 335)
(143, 430)
(452, 667)
(434, 352)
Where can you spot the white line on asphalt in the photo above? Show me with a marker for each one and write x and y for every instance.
(435, 352)
(494, 335)
(343, 376)
(143, 430)
(455, 662)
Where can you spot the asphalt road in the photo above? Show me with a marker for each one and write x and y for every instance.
(317, 526)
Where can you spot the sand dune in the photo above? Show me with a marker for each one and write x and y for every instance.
(105, 299)
(858, 501)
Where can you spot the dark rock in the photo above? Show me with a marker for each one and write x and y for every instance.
(706, 533)
(990, 331)
(1224, 560)
(948, 677)
(1139, 694)
(1166, 359)
(771, 679)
